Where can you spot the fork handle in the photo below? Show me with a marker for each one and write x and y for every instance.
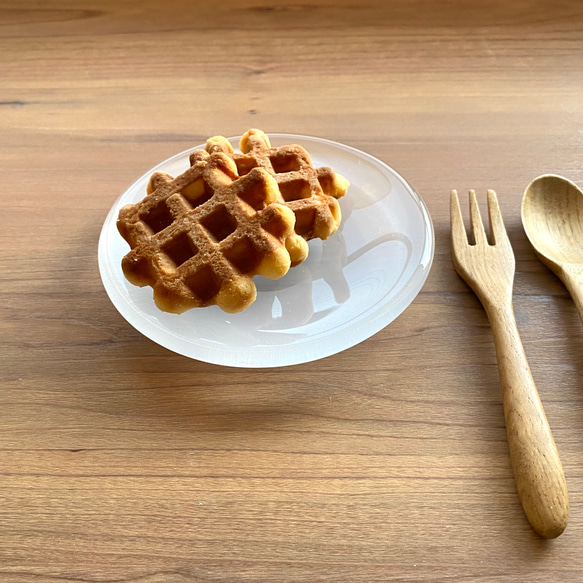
(537, 468)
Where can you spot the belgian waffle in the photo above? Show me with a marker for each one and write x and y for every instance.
(311, 193)
(199, 239)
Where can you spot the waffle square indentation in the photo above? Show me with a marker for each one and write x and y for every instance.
(197, 193)
(245, 165)
(220, 224)
(204, 283)
(243, 255)
(158, 217)
(304, 221)
(180, 249)
(284, 163)
(294, 189)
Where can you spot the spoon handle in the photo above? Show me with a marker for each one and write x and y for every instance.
(572, 276)
(538, 472)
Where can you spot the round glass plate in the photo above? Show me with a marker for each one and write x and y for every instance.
(350, 286)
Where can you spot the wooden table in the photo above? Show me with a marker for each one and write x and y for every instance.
(121, 461)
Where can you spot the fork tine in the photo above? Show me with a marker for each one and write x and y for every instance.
(458, 231)
(476, 223)
(499, 234)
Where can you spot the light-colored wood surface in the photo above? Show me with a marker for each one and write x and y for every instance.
(485, 260)
(120, 461)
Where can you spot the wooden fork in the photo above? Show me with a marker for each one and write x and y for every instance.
(489, 270)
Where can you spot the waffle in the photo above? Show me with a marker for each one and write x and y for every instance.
(311, 193)
(199, 239)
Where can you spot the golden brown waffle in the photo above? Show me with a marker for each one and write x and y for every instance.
(311, 193)
(199, 239)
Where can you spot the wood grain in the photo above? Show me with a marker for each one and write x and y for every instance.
(486, 262)
(120, 461)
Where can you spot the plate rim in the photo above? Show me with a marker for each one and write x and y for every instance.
(132, 316)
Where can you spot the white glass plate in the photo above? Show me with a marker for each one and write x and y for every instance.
(350, 286)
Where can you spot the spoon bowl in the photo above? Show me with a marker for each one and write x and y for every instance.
(552, 216)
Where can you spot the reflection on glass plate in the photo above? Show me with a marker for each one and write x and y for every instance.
(350, 287)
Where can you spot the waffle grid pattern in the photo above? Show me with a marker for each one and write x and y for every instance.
(311, 193)
(199, 239)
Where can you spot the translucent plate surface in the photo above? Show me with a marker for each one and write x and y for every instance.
(350, 286)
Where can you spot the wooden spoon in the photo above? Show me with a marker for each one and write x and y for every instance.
(552, 215)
